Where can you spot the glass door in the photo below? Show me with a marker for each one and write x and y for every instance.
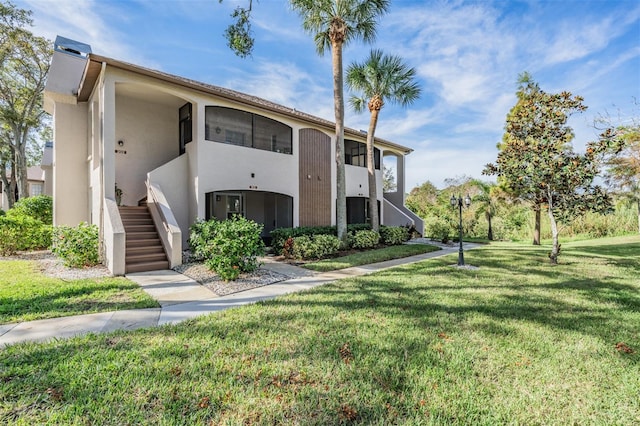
(235, 205)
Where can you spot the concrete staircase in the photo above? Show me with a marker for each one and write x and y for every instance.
(144, 251)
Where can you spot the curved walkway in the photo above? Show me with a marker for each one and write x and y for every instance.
(182, 298)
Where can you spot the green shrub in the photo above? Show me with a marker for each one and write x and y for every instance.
(39, 207)
(315, 247)
(76, 246)
(2, 213)
(393, 235)
(364, 239)
(20, 232)
(326, 245)
(280, 235)
(438, 229)
(228, 247)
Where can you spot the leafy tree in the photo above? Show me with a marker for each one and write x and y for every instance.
(422, 198)
(380, 78)
(388, 179)
(333, 24)
(623, 168)
(24, 64)
(536, 161)
(239, 35)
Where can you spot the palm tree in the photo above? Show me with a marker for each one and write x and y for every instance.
(333, 24)
(379, 79)
(486, 202)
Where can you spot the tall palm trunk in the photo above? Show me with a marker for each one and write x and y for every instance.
(338, 95)
(374, 106)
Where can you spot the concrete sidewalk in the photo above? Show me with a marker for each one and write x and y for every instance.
(181, 298)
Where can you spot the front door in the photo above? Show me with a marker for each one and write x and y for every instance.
(235, 205)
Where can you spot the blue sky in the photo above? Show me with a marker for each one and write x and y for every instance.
(467, 54)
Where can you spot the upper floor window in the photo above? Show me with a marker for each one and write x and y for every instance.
(355, 154)
(236, 127)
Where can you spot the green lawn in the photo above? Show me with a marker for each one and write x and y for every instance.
(26, 294)
(517, 341)
(370, 256)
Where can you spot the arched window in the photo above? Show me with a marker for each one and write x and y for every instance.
(236, 127)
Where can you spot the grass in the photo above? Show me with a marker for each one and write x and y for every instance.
(370, 256)
(518, 341)
(26, 294)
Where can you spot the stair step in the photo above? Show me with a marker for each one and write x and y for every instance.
(137, 221)
(133, 236)
(144, 243)
(148, 266)
(134, 216)
(146, 249)
(139, 228)
(144, 258)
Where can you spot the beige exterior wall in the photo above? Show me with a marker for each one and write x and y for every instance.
(70, 178)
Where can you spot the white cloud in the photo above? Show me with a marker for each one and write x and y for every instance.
(87, 21)
(285, 84)
(436, 165)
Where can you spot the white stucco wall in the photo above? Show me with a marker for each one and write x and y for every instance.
(358, 182)
(229, 167)
(70, 179)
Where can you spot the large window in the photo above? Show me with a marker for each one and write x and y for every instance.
(242, 128)
(355, 154)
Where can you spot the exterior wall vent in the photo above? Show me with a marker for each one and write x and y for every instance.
(71, 47)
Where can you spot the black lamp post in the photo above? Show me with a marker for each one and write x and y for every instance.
(458, 201)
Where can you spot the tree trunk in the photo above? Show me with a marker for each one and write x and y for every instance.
(5, 184)
(20, 166)
(338, 99)
(555, 249)
(638, 205)
(371, 171)
(536, 229)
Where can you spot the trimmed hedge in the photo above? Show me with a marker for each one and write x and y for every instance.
(364, 239)
(21, 233)
(314, 247)
(280, 235)
(393, 235)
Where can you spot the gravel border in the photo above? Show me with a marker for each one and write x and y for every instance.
(52, 266)
(199, 272)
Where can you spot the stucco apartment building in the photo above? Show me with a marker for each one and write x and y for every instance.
(125, 135)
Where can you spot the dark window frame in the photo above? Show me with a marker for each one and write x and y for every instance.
(358, 150)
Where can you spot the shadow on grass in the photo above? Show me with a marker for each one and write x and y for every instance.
(74, 300)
